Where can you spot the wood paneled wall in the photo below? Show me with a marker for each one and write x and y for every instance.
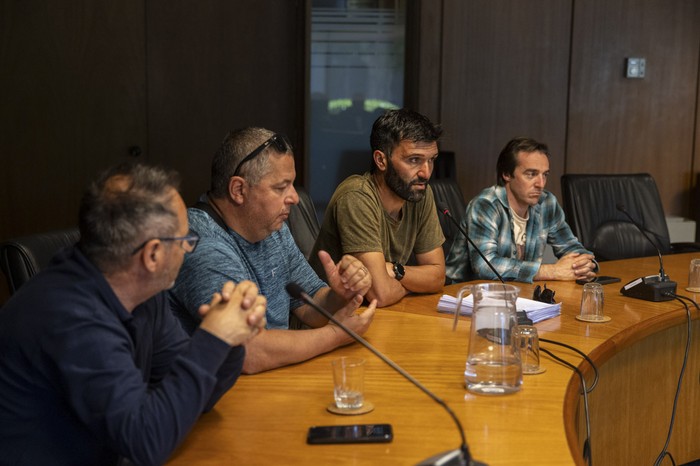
(502, 78)
(84, 82)
(619, 125)
(72, 102)
(215, 66)
(553, 70)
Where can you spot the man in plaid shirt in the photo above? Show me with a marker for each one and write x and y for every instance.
(512, 222)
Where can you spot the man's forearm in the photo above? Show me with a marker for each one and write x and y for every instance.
(387, 292)
(424, 278)
(277, 348)
(329, 300)
(428, 278)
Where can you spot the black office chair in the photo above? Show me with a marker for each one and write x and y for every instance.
(22, 258)
(591, 202)
(448, 192)
(303, 222)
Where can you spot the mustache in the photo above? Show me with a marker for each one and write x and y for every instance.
(420, 181)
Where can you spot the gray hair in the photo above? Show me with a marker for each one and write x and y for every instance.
(234, 148)
(126, 205)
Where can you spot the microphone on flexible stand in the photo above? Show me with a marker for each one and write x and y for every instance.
(457, 457)
(654, 288)
(523, 319)
(444, 210)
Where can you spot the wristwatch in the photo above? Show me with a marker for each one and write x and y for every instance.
(399, 271)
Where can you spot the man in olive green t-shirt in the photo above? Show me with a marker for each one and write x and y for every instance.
(388, 214)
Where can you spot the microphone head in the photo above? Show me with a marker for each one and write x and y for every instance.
(443, 208)
(294, 290)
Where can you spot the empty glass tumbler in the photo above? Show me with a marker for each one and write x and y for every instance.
(694, 276)
(528, 344)
(592, 303)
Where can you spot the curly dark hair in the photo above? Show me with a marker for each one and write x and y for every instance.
(397, 125)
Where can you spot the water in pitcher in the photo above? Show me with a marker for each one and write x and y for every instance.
(493, 364)
(486, 376)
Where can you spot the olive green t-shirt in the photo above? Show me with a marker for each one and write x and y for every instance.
(356, 222)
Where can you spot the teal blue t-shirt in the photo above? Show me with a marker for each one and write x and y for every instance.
(223, 255)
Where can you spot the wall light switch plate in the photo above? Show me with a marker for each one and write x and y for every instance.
(636, 68)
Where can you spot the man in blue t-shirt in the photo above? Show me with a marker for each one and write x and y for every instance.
(243, 236)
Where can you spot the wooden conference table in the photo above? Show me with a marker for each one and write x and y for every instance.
(265, 417)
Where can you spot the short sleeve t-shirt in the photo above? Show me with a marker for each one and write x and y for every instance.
(356, 222)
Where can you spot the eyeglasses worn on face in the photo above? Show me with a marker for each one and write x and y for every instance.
(188, 243)
(279, 141)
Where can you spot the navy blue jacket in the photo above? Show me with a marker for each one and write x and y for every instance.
(83, 381)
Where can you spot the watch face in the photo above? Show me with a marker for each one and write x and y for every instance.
(398, 271)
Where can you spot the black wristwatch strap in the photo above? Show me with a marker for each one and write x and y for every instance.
(399, 271)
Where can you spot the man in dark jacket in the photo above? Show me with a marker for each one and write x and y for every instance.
(93, 365)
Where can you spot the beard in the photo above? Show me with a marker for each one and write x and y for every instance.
(403, 189)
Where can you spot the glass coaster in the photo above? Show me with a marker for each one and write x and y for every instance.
(364, 409)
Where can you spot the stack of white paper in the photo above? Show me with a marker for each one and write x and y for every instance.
(535, 310)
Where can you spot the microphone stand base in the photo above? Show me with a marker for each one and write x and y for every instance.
(450, 458)
(650, 288)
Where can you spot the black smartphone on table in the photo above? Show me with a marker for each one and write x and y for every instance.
(356, 433)
(602, 279)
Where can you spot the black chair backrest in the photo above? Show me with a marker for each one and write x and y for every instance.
(590, 203)
(448, 192)
(22, 258)
(303, 222)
